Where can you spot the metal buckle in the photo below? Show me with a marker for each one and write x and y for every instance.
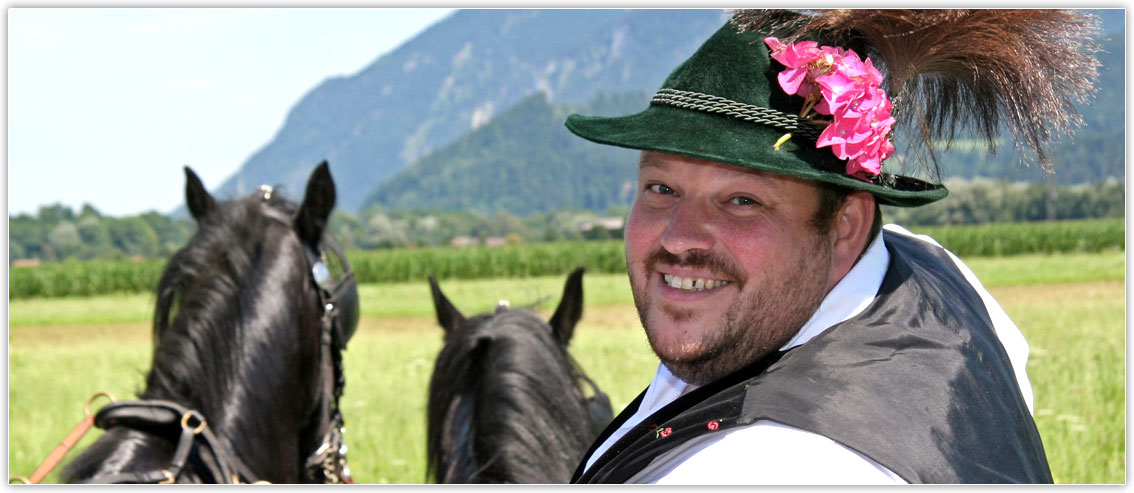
(185, 421)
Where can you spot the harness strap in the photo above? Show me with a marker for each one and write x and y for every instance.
(180, 454)
(159, 417)
(149, 477)
(163, 476)
(140, 414)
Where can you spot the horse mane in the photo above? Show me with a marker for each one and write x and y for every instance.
(218, 346)
(212, 306)
(513, 388)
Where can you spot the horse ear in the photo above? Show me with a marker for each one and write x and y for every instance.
(196, 197)
(447, 315)
(318, 201)
(570, 308)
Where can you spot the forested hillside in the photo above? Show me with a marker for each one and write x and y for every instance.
(524, 162)
(1094, 153)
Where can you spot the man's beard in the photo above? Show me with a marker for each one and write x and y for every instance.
(754, 325)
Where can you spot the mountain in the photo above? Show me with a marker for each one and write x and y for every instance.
(523, 162)
(458, 74)
(479, 98)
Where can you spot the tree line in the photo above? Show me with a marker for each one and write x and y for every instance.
(57, 233)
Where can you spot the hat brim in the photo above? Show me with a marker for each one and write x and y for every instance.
(719, 138)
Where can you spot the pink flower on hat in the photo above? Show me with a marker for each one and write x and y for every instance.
(836, 82)
(797, 57)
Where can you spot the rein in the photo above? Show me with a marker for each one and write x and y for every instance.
(65, 445)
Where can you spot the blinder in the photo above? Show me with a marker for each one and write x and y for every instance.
(338, 289)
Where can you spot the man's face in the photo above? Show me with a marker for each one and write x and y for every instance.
(724, 263)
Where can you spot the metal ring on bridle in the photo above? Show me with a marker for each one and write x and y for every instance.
(103, 393)
(185, 421)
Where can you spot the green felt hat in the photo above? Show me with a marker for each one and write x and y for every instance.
(724, 104)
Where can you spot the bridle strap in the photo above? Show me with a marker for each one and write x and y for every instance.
(327, 464)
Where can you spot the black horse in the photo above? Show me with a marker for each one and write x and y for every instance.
(246, 371)
(506, 400)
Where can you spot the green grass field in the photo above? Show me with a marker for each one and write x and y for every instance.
(1071, 308)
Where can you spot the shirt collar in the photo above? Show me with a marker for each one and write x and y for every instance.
(850, 296)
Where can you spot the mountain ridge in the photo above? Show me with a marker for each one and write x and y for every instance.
(466, 71)
(455, 75)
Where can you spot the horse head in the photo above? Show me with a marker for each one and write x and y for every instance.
(248, 328)
(507, 402)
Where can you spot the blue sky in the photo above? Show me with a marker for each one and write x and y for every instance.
(105, 106)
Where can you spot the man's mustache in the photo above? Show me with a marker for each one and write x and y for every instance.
(715, 265)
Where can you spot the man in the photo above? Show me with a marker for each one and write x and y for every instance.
(799, 341)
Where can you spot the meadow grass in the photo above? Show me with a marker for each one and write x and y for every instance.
(52, 371)
(1077, 368)
(1070, 307)
(406, 299)
(76, 278)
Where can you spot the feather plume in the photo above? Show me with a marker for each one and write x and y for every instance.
(978, 69)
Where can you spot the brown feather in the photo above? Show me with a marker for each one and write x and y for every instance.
(977, 69)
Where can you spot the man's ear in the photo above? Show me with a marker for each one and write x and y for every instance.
(852, 231)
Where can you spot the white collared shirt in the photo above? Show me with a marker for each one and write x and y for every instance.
(767, 452)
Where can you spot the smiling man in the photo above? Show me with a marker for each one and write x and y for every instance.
(726, 263)
(799, 340)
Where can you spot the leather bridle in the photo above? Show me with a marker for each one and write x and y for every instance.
(339, 321)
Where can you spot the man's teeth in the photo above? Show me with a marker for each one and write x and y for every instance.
(692, 284)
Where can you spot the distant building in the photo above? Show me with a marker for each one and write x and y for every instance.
(603, 228)
(26, 262)
(494, 241)
(464, 241)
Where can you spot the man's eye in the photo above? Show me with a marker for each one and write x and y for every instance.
(658, 188)
(742, 201)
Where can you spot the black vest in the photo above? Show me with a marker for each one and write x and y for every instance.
(918, 382)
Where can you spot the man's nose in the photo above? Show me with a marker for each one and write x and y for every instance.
(689, 228)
